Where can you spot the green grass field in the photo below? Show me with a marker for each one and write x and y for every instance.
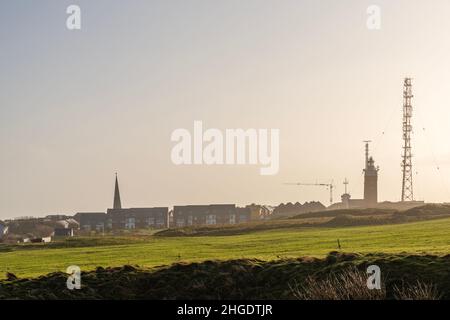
(431, 237)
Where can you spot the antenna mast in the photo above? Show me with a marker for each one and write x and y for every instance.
(346, 185)
(407, 182)
(367, 152)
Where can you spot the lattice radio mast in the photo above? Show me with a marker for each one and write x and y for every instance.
(407, 182)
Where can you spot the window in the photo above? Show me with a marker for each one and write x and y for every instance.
(180, 222)
(190, 221)
(232, 218)
(211, 219)
(150, 221)
(243, 218)
(160, 222)
(130, 223)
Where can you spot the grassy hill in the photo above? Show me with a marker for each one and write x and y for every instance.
(321, 219)
(287, 240)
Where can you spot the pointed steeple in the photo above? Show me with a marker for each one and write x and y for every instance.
(117, 203)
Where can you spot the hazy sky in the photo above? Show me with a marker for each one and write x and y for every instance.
(77, 106)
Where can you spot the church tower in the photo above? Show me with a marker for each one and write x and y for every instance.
(117, 204)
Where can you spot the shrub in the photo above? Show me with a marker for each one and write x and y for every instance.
(350, 284)
(418, 291)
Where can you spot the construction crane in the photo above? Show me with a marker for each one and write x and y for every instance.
(330, 186)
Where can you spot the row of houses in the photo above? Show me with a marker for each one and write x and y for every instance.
(32, 229)
(208, 215)
(119, 218)
(29, 229)
(132, 218)
(162, 218)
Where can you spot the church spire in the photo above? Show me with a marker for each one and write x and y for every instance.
(117, 204)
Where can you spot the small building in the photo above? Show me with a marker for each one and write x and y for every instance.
(41, 240)
(348, 203)
(46, 239)
(260, 212)
(62, 224)
(65, 224)
(63, 232)
(72, 223)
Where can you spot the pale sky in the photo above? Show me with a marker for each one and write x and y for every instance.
(77, 106)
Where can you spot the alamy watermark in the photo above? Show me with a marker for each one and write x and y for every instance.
(232, 147)
(374, 17)
(74, 278)
(374, 279)
(73, 21)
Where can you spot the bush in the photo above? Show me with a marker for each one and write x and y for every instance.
(418, 291)
(350, 284)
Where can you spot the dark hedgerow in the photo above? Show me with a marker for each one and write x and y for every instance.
(245, 279)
